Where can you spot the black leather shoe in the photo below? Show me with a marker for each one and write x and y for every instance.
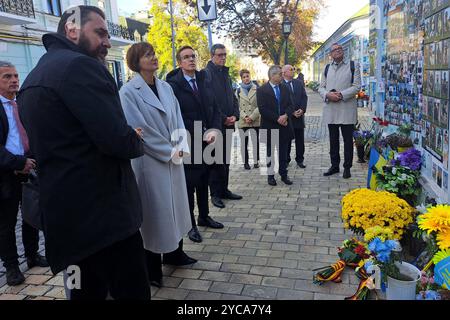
(287, 181)
(14, 276)
(331, 171)
(271, 180)
(232, 196)
(347, 174)
(182, 260)
(209, 222)
(256, 166)
(37, 261)
(247, 167)
(156, 283)
(194, 235)
(301, 165)
(217, 202)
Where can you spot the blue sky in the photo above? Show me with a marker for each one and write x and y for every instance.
(331, 18)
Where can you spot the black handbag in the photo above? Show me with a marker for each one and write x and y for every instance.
(31, 212)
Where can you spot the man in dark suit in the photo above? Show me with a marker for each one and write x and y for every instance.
(15, 165)
(199, 111)
(300, 102)
(275, 106)
(219, 80)
(89, 198)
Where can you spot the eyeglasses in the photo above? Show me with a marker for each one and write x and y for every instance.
(187, 57)
(221, 55)
(337, 49)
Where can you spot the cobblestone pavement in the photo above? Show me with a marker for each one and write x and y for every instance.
(271, 242)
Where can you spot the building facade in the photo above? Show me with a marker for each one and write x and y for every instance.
(24, 22)
(353, 35)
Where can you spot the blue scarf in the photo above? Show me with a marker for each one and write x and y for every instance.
(246, 87)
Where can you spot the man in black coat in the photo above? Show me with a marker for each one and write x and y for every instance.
(275, 106)
(200, 114)
(219, 80)
(300, 102)
(88, 193)
(15, 165)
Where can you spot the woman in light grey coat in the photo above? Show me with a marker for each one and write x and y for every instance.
(150, 104)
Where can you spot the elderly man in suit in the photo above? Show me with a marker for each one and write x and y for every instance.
(300, 101)
(275, 106)
(15, 165)
(341, 81)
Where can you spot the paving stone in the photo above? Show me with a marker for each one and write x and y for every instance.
(216, 276)
(206, 265)
(246, 279)
(243, 251)
(58, 293)
(37, 279)
(8, 296)
(265, 271)
(285, 247)
(258, 261)
(278, 282)
(187, 273)
(258, 245)
(287, 294)
(235, 267)
(282, 263)
(270, 253)
(190, 284)
(227, 288)
(260, 292)
(172, 294)
(202, 295)
(32, 290)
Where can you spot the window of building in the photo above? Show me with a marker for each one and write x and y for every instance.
(54, 7)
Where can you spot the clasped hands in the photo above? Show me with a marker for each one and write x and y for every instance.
(283, 120)
(30, 164)
(230, 121)
(299, 113)
(335, 96)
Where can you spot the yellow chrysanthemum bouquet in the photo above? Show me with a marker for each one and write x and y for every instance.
(364, 209)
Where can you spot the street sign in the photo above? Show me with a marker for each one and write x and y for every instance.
(207, 10)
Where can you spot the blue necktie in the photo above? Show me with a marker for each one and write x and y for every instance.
(278, 96)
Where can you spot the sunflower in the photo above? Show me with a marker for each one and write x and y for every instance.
(443, 239)
(441, 255)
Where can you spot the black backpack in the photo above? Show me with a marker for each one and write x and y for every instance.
(352, 68)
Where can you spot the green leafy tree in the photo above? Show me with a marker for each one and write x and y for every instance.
(188, 32)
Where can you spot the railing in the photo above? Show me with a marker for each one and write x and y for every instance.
(119, 31)
(22, 8)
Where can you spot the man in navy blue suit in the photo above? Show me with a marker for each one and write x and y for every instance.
(300, 102)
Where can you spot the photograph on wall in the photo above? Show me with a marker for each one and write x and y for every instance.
(434, 171)
(437, 84)
(444, 114)
(437, 111)
(444, 84)
(445, 53)
(446, 148)
(439, 177)
(445, 180)
(438, 49)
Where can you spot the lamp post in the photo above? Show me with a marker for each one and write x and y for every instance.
(287, 29)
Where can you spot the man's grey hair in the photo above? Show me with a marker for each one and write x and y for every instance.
(215, 47)
(273, 70)
(6, 64)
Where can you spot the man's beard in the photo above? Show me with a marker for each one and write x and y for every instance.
(98, 53)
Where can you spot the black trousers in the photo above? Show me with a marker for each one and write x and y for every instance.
(255, 142)
(154, 261)
(299, 146)
(219, 173)
(197, 184)
(119, 270)
(347, 134)
(8, 219)
(282, 146)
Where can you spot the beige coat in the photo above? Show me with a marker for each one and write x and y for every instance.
(339, 78)
(249, 108)
(161, 181)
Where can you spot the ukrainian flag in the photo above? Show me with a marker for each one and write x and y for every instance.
(376, 161)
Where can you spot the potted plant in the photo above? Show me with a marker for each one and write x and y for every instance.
(399, 277)
(363, 209)
(361, 138)
(399, 142)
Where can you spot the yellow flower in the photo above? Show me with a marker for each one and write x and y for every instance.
(443, 239)
(441, 255)
(436, 219)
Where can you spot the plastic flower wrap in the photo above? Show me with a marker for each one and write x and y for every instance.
(363, 209)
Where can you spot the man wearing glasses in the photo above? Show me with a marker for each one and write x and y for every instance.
(199, 112)
(341, 81)
(219, 80)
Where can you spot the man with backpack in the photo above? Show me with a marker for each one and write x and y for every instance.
(341, 81)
